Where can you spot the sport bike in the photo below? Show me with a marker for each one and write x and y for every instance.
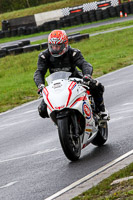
(72, 109)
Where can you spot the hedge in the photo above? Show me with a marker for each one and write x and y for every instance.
(11, 5)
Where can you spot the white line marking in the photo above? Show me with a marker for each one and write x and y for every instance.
(8, 185)
(89, 176)
(35, 154)
(109, 31)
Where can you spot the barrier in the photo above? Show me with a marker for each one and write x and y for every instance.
(105, 14)
(31, 48)
(112, 11)
(66, 17)
(10, 47)
(85, 17)
(3, 53)
(2, 34)
(99, 15)
(26, 21)
(131, 6)
(5, 25)
(92, 15)
(15, 51)
(24, 46)
(44, 45)
(7, 33)
(126, 8)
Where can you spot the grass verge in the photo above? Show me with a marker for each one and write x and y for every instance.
(90, 30)
(105, 191)
(107, 52)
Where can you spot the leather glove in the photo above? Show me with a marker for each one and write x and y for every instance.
(87, 78)
(91, 82)
(40, 88)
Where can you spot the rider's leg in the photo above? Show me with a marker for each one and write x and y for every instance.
(42, 109)
(97, 93)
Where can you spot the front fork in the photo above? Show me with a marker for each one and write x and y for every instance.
(75, 125)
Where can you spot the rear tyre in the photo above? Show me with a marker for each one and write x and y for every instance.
(101, 136)
(70, 145)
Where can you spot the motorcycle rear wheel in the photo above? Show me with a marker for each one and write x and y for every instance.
(101, 136)
(70, 145)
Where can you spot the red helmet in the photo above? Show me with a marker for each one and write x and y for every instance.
(57, 43)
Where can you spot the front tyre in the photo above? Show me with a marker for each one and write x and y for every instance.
(70, 145)
(102, 135)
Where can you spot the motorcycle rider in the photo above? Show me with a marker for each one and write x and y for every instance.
(59, 56)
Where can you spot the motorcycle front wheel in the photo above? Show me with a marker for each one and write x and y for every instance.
(70, 144)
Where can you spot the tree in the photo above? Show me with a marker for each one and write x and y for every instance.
(28, 4)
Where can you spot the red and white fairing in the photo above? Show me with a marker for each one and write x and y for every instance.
(65, 93)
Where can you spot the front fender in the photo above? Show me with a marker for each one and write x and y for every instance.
(63, 113)
(55, 115)
(74, 115)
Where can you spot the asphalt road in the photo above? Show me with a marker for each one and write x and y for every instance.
(32, 164)
(77, 29)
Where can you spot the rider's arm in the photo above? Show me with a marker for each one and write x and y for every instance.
(80, 62)
(41, 70)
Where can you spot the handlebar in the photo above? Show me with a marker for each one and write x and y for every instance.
(85, 85)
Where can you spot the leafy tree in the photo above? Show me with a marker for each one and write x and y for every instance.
(10, 5)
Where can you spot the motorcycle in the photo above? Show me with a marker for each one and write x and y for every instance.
(71, 107)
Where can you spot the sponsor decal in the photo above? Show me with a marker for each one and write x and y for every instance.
(57, 85)
(86, 110)
(75, 11)
(88, 130)
(104, 5)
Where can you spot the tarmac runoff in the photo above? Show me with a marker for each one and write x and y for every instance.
(93, 179)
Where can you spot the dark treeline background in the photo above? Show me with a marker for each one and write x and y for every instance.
(10, 5)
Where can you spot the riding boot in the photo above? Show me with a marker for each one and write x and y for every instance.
(42, 109)
(102, 111)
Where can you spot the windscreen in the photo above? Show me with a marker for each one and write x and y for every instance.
(58, 75)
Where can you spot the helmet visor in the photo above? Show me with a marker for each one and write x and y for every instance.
(56, 49)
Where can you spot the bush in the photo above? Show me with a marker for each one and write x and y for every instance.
(11, 5)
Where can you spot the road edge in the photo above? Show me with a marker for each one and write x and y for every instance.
(93, 179)
(37, 100)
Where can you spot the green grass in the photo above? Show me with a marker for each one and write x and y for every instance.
(94, 30)
(105, 191)
(90, 31)
(107, 52)
(16, 80)
(108, 27)
(41, 8)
